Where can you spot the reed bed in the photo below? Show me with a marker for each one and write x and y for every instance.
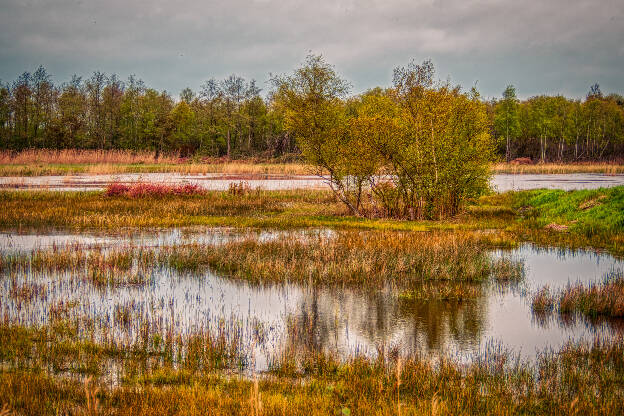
(186, 168)
(608, 168)
(363, 258)
(77, 156)
(40, 162)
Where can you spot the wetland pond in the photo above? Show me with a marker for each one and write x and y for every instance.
(500, 182)
(268, 319)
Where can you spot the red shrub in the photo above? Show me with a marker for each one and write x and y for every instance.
(115, 189)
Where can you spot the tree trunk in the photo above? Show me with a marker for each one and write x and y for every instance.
(507, 152)
(228, 143)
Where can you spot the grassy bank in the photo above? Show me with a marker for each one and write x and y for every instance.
(586, 218)
(579, 379)
(575, 219)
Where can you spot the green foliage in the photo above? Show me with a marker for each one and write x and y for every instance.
(232, 119)
(420, 147)
(557, 128)
(225, 118)
(316, 115)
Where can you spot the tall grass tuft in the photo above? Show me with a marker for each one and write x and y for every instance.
(543, 301)
(604, 299)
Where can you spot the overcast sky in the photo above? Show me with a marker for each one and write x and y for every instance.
(548, 46)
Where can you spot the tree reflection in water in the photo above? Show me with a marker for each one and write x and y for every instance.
(349, 322)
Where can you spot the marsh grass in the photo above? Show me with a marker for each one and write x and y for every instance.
(580, 378)
(601, 299)
(605, 299)
(162, 371)
(351, 258)
(27, 291)
(367, 258)
(97, 265)
(37, 162)
(94, 210)
(560, 168)
(62, 348)
(543, 301)
(592, 218)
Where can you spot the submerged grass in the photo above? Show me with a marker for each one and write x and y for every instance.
(445, 291)
(100, 267)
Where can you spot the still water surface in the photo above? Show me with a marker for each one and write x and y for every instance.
(211, 181)
(344, 321)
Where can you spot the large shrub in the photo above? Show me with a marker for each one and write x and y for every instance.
(415, 150)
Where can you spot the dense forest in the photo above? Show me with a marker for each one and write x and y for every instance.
(230, 118)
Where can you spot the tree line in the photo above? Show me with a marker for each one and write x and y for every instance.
(225, 117)
(230, 118)
(555, 128)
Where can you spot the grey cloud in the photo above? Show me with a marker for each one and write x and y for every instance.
(552, 46)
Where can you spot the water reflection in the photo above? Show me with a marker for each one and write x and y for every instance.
(344, 321)
(26, 242)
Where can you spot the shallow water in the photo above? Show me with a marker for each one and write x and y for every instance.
(344, 321)
(211, 181)
(25, 242)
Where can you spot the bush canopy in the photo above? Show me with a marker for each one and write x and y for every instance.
(415, 150)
